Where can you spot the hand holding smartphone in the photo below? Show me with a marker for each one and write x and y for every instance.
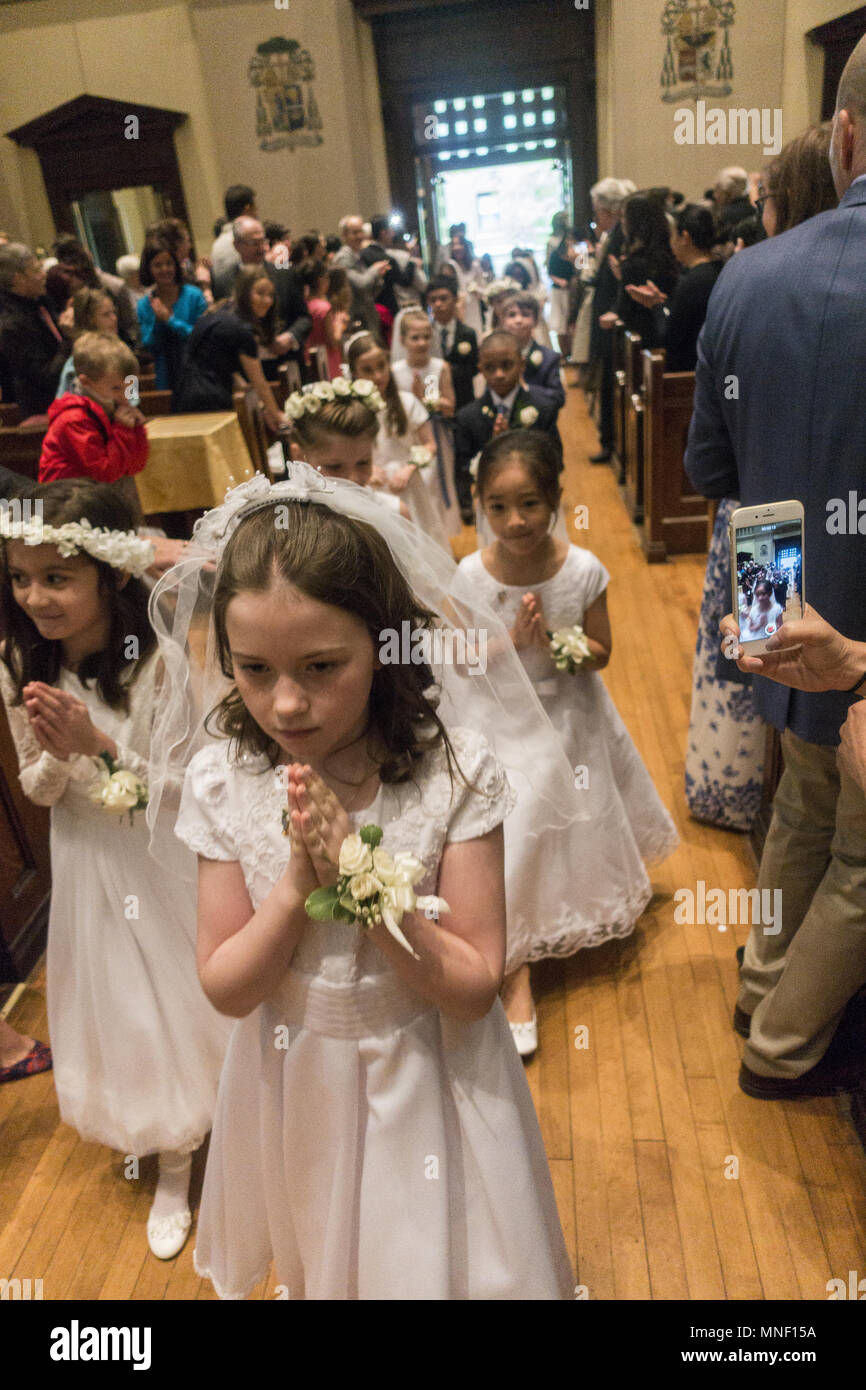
(766, 545)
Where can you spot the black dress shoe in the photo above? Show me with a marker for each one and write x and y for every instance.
(467, 516)
(742, 1022)
(603, 456)
(823, 1080)
(741, 951)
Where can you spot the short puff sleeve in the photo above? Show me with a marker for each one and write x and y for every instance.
(475, 812)
(204, 819)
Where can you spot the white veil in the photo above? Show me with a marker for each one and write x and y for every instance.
(479, 679)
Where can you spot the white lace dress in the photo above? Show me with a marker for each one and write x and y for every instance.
(137, 1047)
(422, 494)
(605, 887)
(372, 1147)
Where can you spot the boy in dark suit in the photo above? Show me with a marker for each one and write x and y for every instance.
(506, 404)
(452, 340)
(518, 314)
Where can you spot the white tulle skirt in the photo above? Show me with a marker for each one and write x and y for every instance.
(376, 1150)
(592, 875)
(137, 1047)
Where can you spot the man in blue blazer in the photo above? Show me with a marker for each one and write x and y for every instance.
(778, 415)
(506, 404)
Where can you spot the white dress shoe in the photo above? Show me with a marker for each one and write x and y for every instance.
(166, 1235)
(525, 1036)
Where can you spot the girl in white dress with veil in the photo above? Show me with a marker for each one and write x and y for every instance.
(374, 1135)
(137, 1047)
(404, 430)
(428, 379)
(539, 583)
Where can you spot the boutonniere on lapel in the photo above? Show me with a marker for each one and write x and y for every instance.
(536, 357)
(488, 411)
(528, 416)
(464, 348)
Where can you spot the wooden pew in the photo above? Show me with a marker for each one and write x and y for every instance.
(20, 450)
(10, 415)
(152, 403)
(633, 480)
(619, 438)
(249, 412)
(675, 517)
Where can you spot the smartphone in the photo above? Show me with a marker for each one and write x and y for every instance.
(766, 570)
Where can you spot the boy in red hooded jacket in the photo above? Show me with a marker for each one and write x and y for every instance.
(95, 432)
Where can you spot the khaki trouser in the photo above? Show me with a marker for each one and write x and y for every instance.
(797, 983)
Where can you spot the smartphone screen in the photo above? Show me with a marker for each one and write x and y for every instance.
(769, 561)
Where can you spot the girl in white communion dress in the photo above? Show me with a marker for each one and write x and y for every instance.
(137, 1047)
(375, 1135)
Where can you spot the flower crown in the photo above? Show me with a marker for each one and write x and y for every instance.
(312, 398)
(496, 287)
(123, 550)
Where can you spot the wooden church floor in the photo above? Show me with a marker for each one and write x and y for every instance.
(641, 1127)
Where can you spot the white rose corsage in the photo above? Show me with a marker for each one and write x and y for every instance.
(118, 789)
(570, 649)
(373, 887)
(464, 348)
(528, 416)
(432, 403)
(420, 455)
(536, 357)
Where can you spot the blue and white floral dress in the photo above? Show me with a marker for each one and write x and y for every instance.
(725, 754)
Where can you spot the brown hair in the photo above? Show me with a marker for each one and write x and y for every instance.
(524, 301)
(85, 307)
(263, 329)
(537, 455)
(339, 288)
(349, 417)
(396, 420)
(30, 657)
(345, 563)
(800, 180)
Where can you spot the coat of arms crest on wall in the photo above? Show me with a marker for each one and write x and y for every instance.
(698, 58)
(282, 73)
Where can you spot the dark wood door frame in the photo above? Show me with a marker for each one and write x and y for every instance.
(90, 145)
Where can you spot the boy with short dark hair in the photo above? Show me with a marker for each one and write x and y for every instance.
(518, 314)
(506, 404)
(452, 340)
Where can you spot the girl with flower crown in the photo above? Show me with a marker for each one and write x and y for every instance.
(553, 597)
(405, 457)
(375, 1136)
(137, 1048)
(334, 429)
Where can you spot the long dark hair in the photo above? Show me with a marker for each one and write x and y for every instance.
(536, 453)
(30, 657)
(647, 230)
(396, 419)
(264, 329)
(154, 247)
(345, 563)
